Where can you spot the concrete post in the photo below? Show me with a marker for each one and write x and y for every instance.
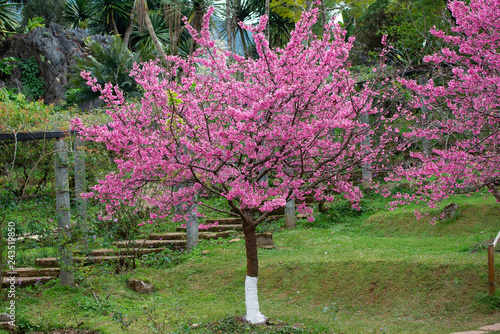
(63, 213)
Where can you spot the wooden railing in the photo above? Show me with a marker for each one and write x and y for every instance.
(491, 265)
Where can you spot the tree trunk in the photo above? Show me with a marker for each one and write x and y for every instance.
(268, 35)
(251, 297)
(115, 27)
(494, 191)
(173, 17)
(143, 19)
(157, 43)
(245, 48)
(130, 28)
(229, 28)
(426, 143)
(197, 22)
(323, 16)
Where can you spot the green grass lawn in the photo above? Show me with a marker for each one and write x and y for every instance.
(374, 271)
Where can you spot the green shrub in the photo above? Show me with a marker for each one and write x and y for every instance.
(32, 83)
(107, 64)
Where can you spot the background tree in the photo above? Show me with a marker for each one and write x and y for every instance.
(49, 10)
(241, 11)
(178, 35)
(463, 122)
(110, 16)
(279, 25)
(77, 13)
(409, 29)
(291, 115)
(143, 19)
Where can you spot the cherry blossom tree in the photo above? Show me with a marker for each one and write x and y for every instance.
(254, 132)
(462, 100)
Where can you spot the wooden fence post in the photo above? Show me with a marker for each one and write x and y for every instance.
(63, 213)
(80, 187)
(491, 269)
(290, 214)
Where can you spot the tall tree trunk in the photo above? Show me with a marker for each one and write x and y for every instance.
(268, 36)
(245, 48)
(229, 26)
(115, 27)
(130, 28)
(143, 19)
(323, 16)
(156, 42)
(251, 297)
(426, 143)
(173, 18)
(197, 21)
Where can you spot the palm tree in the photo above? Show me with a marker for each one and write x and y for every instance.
(107, 12)
(141, 15)
(229, 26)
(242, 11)
(76, 13)
(140, 38)
(107, 63)
(195, 18)
(176, 30)
(9, 17)
(279, 25)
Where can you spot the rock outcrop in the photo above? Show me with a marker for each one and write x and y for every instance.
(54, 49)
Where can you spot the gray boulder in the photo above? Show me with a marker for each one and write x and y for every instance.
(54, 49)
(139, 285)
(449, 211)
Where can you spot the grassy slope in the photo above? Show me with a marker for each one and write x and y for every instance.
(390, 274)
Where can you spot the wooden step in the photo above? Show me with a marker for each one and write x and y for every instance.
(167, 236)
(32, 272)
(224, 221)
(149, 243)
(26, 281)
(47, 262)
(307, 199)
(8, 326)
(214, 235)
(218, 228)
(124, 251)
(182, 235)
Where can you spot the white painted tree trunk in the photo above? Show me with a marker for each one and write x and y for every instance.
(252, 302)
